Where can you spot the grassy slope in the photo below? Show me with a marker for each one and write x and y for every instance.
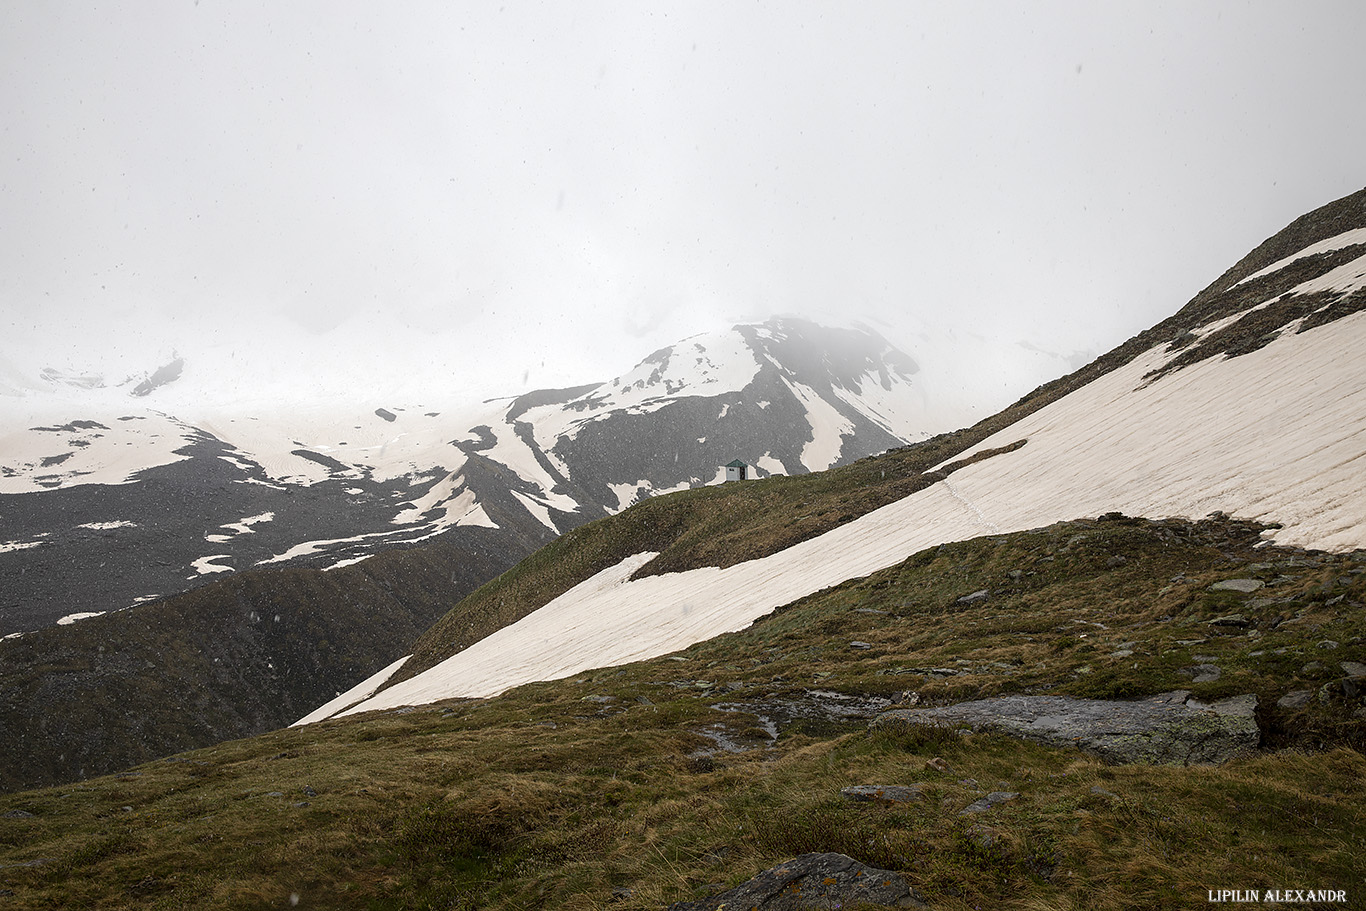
(555, 794)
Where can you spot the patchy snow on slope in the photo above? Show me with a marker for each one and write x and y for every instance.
(108, 526)
(708, 364)
(308, 548)
(8, 546)
(1344, 279)
(703, 365)
(896, 408)
(1345, 239)
(458, 505)
(538, 509)
(77, 437)
(448, 488)
(1278, 434)
(828, 428)
(512, 451)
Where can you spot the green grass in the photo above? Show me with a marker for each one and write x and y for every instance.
(547, 798)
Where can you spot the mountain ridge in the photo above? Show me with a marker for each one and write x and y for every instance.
(107, 691)
(1137, 376)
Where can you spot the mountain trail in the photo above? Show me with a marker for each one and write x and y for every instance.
(971, 507)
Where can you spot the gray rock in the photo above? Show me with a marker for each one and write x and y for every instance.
(1246, 586)
(1235, 621)
(884, 793)
(36, 862)
(857, 644)
(1202, 673)
(1240, 706)
(986, 803)
(1353, 668)
(974, 597)
(812, 881)
(1160, 730)
(18, 814)
(1328, 644)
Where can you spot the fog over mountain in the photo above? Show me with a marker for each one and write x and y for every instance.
(503, 197)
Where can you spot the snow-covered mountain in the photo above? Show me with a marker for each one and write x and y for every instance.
(113, 494)
(1250, 401)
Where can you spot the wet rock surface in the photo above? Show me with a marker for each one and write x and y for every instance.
(1162, 729)
(813, 881)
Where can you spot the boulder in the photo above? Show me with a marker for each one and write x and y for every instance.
(987, 803)
(813, 881)
(1244, 586)
(1295, 699)
(1158, 730)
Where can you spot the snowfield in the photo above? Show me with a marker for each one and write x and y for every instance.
(1277, 435)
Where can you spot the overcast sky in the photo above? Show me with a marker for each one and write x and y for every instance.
(519, 195)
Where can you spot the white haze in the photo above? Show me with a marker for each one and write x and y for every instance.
(487, 198)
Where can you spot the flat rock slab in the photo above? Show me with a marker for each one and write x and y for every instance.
(884, 793)
(813, 881)
(1245, 586)
(1159, 730)
(985, 804)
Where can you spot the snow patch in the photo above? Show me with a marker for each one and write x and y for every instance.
(770, 464)
(1344, 279)
(1346, 239)
(107, 526)
(485, 667)
(349, 698)
(206, 565)
(72, 618)
(244, 526)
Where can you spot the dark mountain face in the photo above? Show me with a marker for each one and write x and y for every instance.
(786, 396)
(213, 532)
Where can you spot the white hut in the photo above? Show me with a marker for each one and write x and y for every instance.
(736, 471)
